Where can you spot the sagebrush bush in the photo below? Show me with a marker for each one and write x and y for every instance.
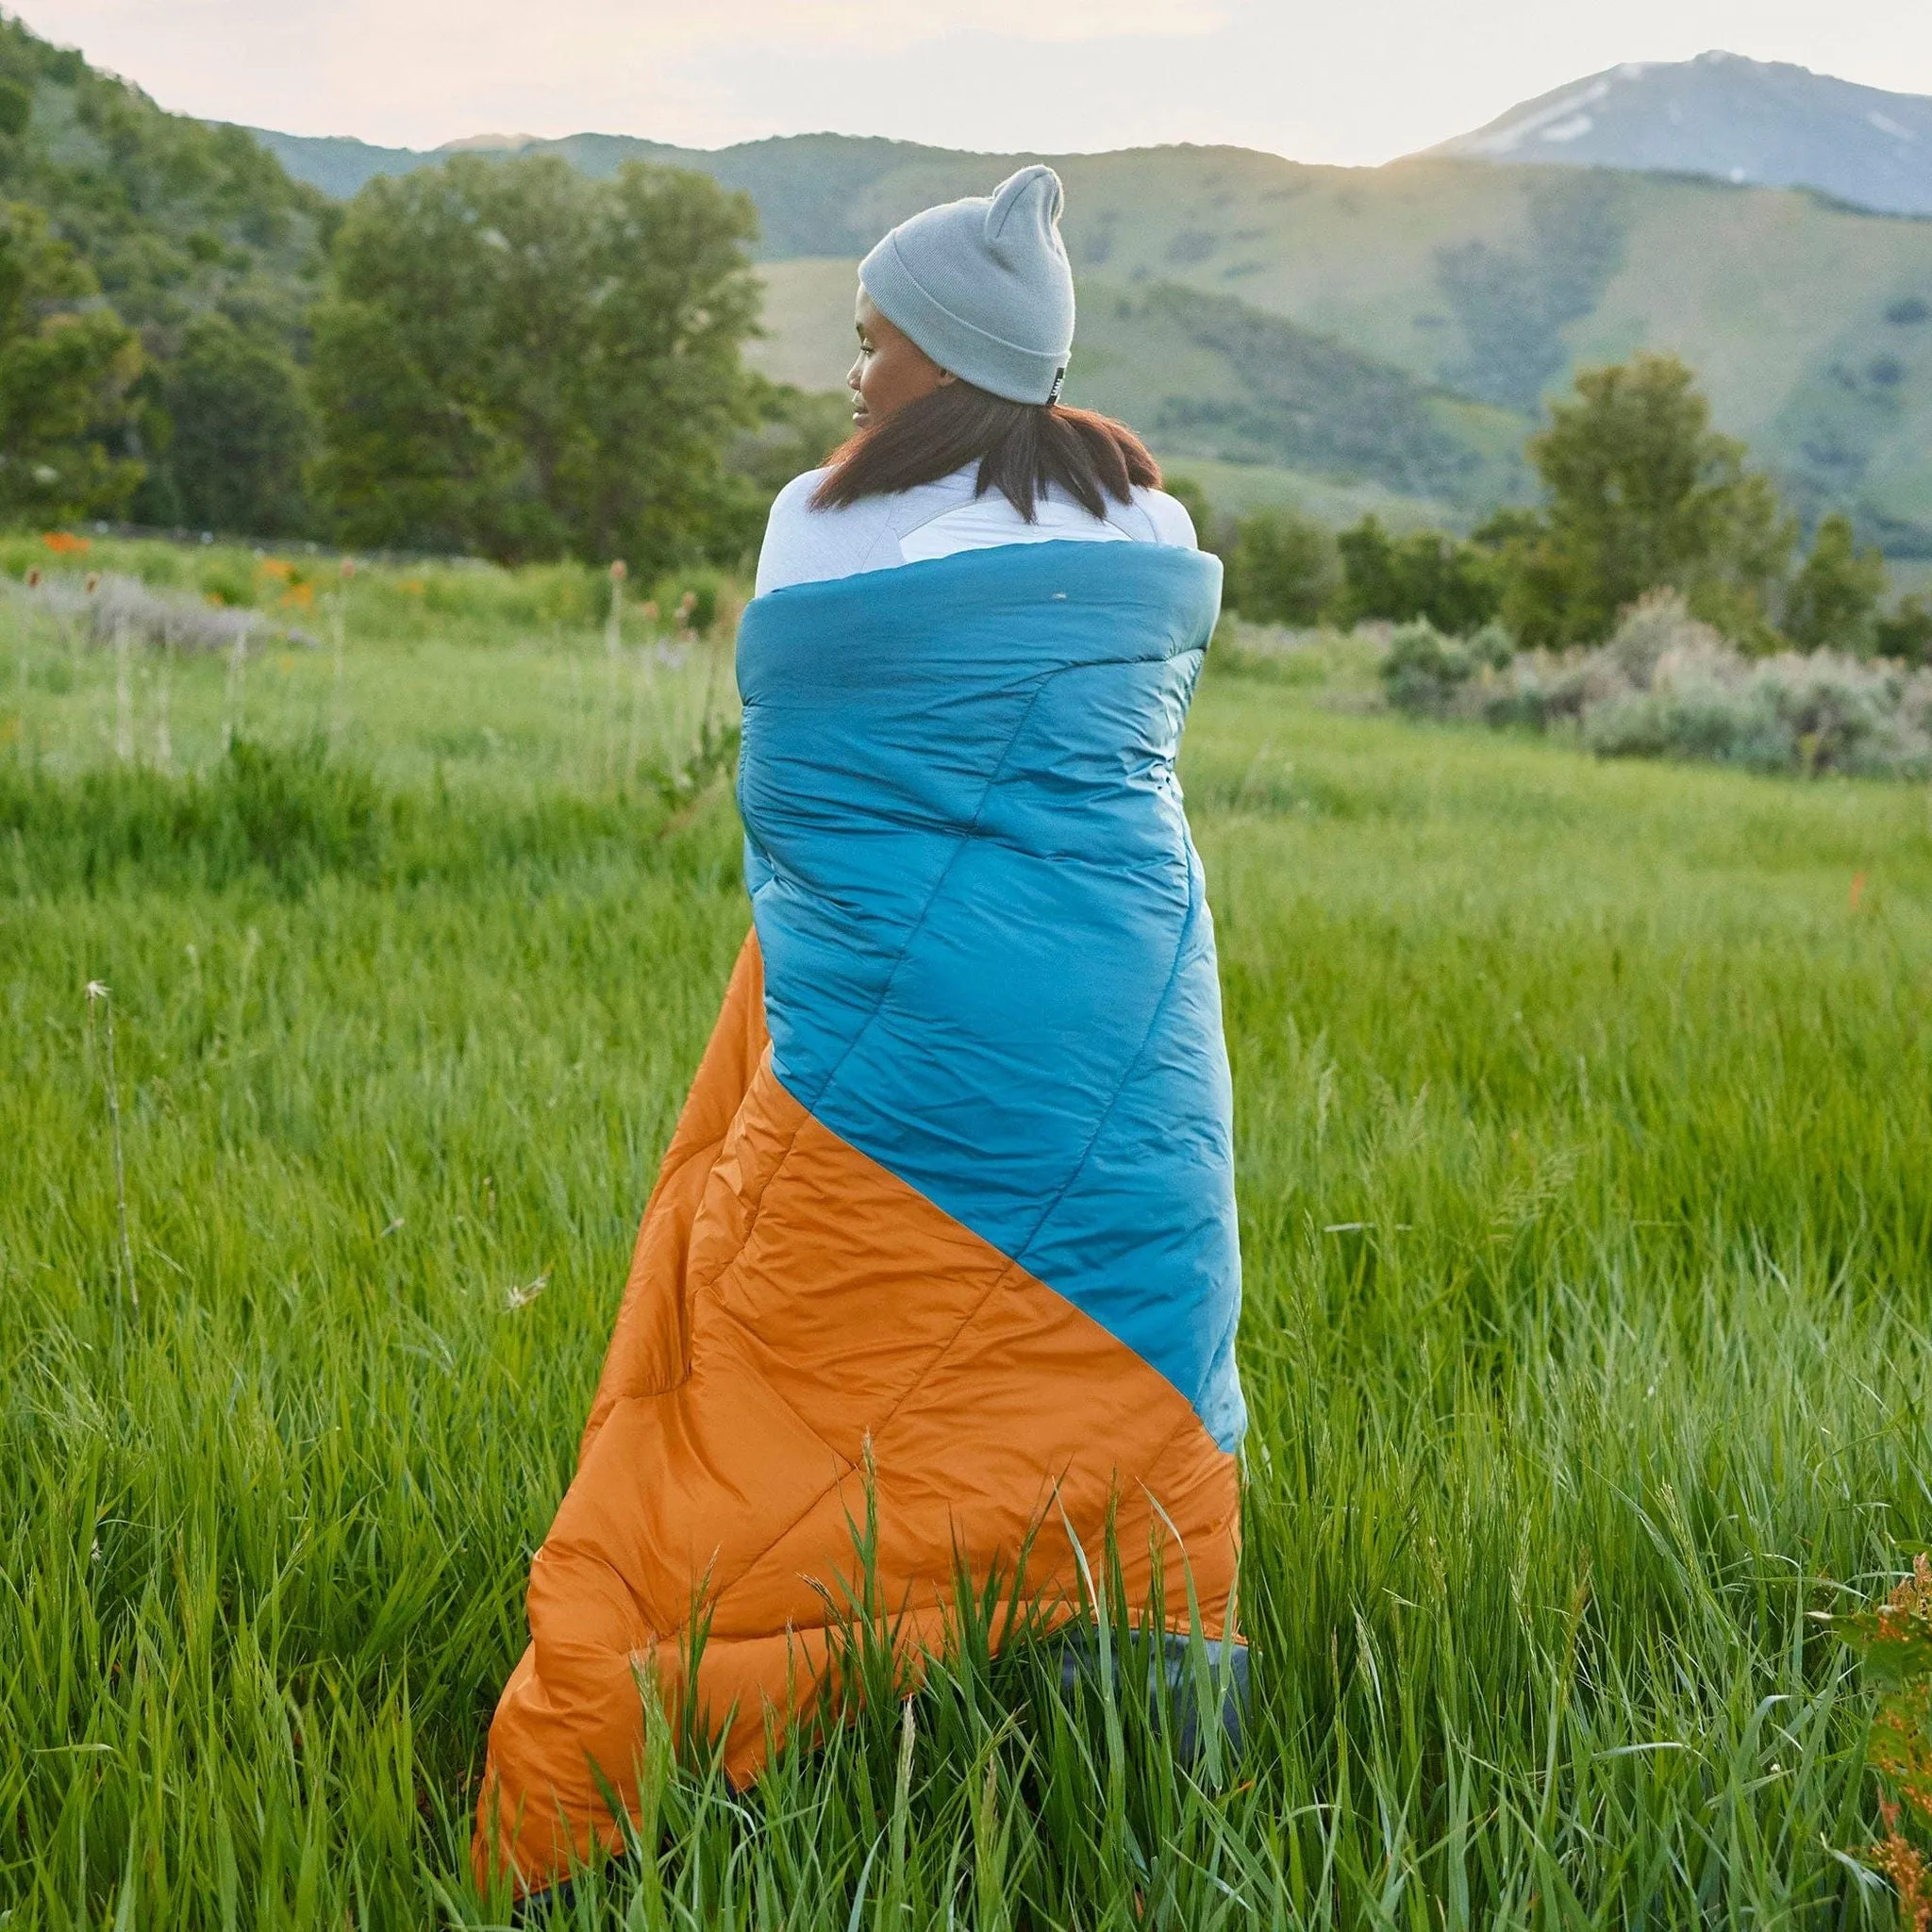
(1669, 686)
(106, 607)
(1427, 673)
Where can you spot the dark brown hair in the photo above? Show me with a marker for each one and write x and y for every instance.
(1021, 449)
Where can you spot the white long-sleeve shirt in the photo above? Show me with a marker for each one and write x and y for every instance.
(804, 545)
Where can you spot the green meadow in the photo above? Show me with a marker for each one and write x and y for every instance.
(1586, 1175)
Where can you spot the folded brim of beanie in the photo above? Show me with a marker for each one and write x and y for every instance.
(987, 362)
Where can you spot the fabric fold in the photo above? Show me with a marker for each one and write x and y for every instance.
(946, 1229)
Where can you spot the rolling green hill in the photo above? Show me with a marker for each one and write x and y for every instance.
(1809, 322)
(203, 244)
(1208, 377)
(175, 217)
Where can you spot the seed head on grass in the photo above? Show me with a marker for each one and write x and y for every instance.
(519, 1296)
(98, 994)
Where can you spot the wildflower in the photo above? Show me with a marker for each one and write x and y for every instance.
(65, 544)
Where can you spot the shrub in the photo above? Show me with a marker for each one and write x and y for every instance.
(1659, 625)
(1667, 685)
(113, 606)
(1425, 673)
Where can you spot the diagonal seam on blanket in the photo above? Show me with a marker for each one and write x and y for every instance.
(912, 931)
(1074, 1173)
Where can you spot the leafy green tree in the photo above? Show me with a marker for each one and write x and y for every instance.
(795, 431)
(1833, 601)
(1905, 634)
(239, 432)
(1457, 587)
(1281, 568)
(67, 365)
(1644, 493)
(523, 361)
(174, 216)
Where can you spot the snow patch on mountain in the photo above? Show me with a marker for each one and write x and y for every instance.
(1755, 123)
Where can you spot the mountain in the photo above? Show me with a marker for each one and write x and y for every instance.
(814, 191)
(1761, 122)
(1471, 292)
(1809, 324)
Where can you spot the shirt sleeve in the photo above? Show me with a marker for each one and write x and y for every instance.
(1170, 518)
(786, 555)
(804, 546)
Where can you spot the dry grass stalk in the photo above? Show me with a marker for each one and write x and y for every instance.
(339, 625)
(165, 743)
(613, 665)
(235, 694)
(123, 697)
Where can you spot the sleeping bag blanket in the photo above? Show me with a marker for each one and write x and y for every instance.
(948, 1226)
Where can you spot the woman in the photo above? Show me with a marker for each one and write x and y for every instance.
(947, 1224)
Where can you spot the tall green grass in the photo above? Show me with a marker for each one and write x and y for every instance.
(1585, 1178)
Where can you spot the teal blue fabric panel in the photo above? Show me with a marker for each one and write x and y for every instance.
(988, 959)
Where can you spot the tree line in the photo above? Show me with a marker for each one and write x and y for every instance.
(1640, 493)
(511, 359)
(508, 359)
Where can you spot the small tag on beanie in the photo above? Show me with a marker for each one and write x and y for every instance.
(1060, 376)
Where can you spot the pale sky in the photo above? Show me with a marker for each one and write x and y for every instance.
(1351, 81)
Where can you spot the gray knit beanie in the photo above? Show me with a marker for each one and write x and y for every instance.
(983, 286)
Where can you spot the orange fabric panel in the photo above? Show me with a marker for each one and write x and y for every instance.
(648, 1349)
(792, 1304)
